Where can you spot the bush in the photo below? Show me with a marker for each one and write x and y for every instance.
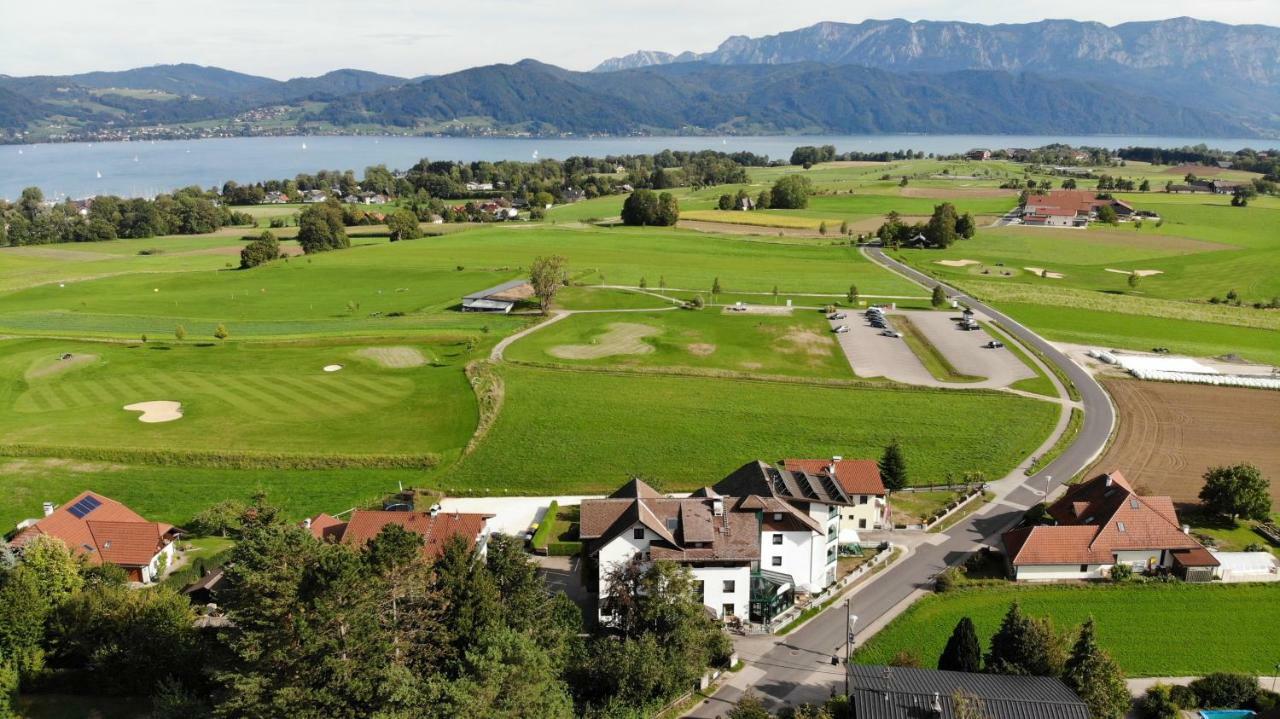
(1157, 703)
(1121, 573)
(1223, 690)
(947, 580)
(1183, 697)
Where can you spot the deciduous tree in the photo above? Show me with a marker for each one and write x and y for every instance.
(547, 275)
(1237, 491)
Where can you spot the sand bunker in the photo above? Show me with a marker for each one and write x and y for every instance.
(1041, 272)
(58, 365)
(332, 367)
(957, 263)
(152, 412)
(393, 357)
(1140, 273)
(811, 343)
(701, 349)
(623, 338)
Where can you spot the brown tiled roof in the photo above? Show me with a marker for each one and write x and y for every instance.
(325, 526)
(108, 522)
(1096, 519)
(635, 488)
(436, 531)
(856, 476)
(688, 528)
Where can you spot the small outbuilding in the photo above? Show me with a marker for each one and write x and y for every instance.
(500, 298)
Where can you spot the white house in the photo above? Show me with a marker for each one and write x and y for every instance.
(727, 543)
(1101, 523)
(865, 506)
(104, 531)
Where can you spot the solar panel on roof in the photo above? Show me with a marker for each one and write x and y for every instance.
(81, 509)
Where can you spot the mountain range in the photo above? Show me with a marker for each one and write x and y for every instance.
(1172, 77)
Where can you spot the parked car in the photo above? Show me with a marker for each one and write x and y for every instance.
(841, 329)
(837, 316)
(891, 333)
(994, 345)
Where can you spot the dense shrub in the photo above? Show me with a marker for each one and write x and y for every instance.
(1158, 703)
(1223, 690)
(262, 250)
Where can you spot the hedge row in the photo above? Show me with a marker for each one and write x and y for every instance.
(564, 549)
(543, 534)
(217, 459)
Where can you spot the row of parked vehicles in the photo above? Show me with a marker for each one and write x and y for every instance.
(875, 316)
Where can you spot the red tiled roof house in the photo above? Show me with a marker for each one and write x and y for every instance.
(104, 531)
(435, 527)
(1101, 523)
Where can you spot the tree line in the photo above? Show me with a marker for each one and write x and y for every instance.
(942, 229)
(317, 629)
(189, 211)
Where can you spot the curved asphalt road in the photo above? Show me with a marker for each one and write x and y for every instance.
(799, 669)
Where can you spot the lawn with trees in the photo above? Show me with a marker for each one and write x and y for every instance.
(1234, 625)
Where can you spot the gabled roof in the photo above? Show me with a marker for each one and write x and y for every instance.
(101, 530)
(1096, 519)
(507, 291)
(687, 529)
(325, 526)
(435, 531)
(856, 476)
(635, 487)
(879, 692)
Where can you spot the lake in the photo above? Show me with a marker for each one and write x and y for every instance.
(144, 169)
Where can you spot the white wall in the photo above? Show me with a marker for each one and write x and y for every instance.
(151, 571)
(864, 516)
(1052, 572)
(620, 551)
(796, 551)
(823, 571)
(1139, 560)
(714, 595)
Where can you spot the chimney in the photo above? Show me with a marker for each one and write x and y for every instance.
(48, 508)
(1186, 529)
(717, 507)
(435, 509)
(306, 523)
(1108, 480)
(937, 704)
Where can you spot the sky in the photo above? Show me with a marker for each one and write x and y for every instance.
(283, 39)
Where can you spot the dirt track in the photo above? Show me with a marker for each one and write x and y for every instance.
(1169, 434)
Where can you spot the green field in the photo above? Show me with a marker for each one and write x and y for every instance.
(799, 345)
(235, 397)
(175, 494)
(586, 431)
(1150, 630)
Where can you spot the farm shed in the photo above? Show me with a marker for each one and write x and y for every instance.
(500, 298)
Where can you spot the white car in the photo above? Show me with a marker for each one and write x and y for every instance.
(841, 329)
(891, 333)
(837, 316)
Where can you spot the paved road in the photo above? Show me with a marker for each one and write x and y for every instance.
(799, 668)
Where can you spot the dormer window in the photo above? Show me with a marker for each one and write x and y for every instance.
(1120, 526)
(672, 522)
(777, 516)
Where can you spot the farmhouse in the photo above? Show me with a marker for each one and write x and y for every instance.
(500, 298)
(435, 527)
(1101, 523)
(979, 155)
(1068, 208)
(104, 531)
(880, 692)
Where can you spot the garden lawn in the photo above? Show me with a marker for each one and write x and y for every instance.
(564, 431)
(235, 397)
(799, 345)
(1150, 629)
(176, 494)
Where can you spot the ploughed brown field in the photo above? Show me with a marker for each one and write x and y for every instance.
(1169, 434)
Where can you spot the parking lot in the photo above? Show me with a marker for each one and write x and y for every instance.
(873, 355)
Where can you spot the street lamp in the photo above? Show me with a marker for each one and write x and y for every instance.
(849, 620)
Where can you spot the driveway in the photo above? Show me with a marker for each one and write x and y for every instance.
(511, 515)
